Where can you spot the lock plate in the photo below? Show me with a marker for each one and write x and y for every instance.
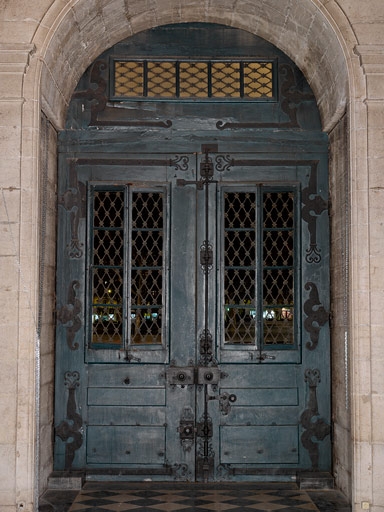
(208, 375)
(181, 376)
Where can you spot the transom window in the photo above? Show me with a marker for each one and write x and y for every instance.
(193, 79)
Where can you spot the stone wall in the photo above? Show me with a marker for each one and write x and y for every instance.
(45, 46)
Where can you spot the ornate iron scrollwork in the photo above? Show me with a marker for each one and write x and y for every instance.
(180, 163)
(206, 257)
(70, 428)
(205, 454)
(224, 163)
(181, 472)
(206, 349)
(313, 206)
(73, 200)
(316, 314)
(69, 314)
(315, 427)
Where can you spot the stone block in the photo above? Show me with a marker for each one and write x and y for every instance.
(66, 481)
(315, 480)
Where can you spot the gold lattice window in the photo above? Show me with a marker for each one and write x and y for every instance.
(193, 79)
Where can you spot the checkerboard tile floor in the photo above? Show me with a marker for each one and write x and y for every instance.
(188, 500)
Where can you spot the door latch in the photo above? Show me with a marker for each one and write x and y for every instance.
(187, 429)
(225, 401)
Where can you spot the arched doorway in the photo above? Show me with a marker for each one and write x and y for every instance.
(193, 289)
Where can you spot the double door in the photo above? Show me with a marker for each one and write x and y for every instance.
(192, 335)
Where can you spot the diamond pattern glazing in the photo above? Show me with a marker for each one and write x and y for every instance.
(129, 78)
(174, 79)
(147, 268)
(107, 271)
(239, 267)
(278, 263)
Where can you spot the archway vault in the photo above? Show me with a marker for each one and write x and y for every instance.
(303, 30)
(315, 36)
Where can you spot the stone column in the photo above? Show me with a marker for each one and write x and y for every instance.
(369, 348)
(18, 263)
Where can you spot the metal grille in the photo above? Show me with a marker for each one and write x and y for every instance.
(147, 268)
(193, 80)
(278, 271)
(129, 78)
(139, 256)
(239, 267)
(226, 79)
(107, 267)
(258, 80)
(243, 243)
(161, 79)
(174, 79)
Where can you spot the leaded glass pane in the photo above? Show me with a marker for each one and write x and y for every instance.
(107, 272)
(193, 78)
(225, 79)
(258, 81)
(147, 267)
(174, 79)
(129, 79)
(278, 272)
(161, 79)
(239, 267)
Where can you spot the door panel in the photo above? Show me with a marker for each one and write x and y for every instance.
(197, 358)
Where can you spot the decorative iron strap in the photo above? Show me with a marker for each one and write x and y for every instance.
(314, 426)
(68, 315)
(179, 163)
(317, 316)
(70, 428)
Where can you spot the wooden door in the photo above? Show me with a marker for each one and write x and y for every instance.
(192, 339)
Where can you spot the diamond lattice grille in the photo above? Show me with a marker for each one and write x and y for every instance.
(147, 268)
(239, 266)
(278, 273)
(107, 270)
(129, 79)
(174, 79)
(161, 79)
(193, 79)
(136, 254)
(267, 250)
(225, 79)
(258, 81)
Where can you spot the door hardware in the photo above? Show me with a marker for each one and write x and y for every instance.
(181, 376)
(189, 375)
(206, 255)
(225, 401)
(208, 375)
(187, 429)
(263, 356)
(128, 356)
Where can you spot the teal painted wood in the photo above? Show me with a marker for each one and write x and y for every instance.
(113, 412)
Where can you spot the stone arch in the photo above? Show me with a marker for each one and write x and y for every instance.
(305, 31)
(316, 37)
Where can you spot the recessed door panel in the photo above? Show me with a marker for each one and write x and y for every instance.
(270, 445)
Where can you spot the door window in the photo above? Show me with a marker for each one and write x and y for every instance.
(127, 232)
(259, 242)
